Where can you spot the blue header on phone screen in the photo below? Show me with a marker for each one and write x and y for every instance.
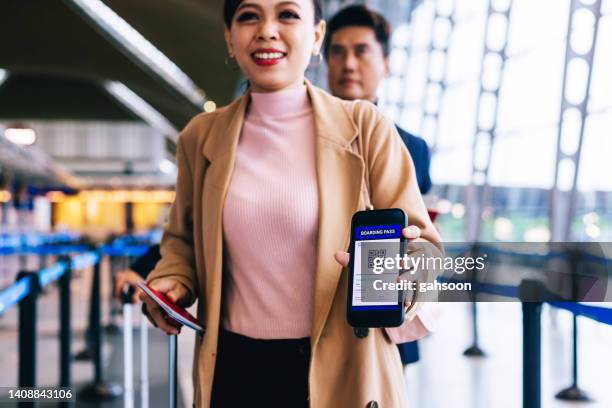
(378, 232)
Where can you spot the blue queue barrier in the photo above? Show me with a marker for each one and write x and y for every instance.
(129, 251)
(13, 294)
(531, 323)
(599, 314)
(526, 292)
(27, 286)
(25, 292)
(475, 350)
(16, 243)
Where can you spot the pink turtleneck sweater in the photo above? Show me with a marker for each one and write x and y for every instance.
(270, 220)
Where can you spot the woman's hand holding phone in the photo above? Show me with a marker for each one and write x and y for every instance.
(411, 232)
(176, 292)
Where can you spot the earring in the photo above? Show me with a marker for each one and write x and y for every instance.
(228, 65)
(318, 61)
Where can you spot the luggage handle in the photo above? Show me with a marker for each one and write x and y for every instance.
(128, 358)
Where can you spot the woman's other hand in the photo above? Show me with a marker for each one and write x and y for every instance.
(127, 277)
(410, 232)
(176, 293)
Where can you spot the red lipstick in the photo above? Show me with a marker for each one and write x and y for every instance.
(268, 56)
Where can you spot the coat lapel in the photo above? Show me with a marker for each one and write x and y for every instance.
(339, 177)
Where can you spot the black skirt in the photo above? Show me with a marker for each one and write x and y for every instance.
(260, 373)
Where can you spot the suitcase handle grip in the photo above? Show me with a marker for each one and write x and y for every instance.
(127, 293)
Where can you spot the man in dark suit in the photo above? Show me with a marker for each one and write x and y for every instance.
(357, 50)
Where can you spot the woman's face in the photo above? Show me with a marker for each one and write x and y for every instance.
(273, 41)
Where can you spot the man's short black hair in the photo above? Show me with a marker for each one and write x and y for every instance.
(359, 16)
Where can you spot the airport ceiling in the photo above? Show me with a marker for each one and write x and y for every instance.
(47, 46)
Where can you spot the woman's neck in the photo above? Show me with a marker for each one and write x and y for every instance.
(285, 103)
(280, 88)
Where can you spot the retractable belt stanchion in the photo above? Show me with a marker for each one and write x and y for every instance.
(65, 332)
(27, 331)
(88, 352)
(530, 293)
(25, 293)
(532, 357)
(574, 392)
(144, 362)
(42, 258)
(128, 349)
(172, 371)
(99, 388)
(114, 310)
(474, 350)
(23, 260)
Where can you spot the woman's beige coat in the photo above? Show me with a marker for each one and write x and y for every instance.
(345, 371)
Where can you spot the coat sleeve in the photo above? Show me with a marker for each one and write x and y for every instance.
(393, 184)
(176, 247)
(425, 159)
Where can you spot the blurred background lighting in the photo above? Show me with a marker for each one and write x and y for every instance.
(458, 210)
(3, 75)
(21, 136)
(5, 196)
(167, 167)
(444, 206)
(537, 234)
(210, 106)
(503, 229)
(590, 218)
(592, 231)
(56, 196)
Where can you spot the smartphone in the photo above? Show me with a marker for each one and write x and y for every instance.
(375, 235)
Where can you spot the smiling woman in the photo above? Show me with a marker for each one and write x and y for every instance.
(273, 41)
(266, 188)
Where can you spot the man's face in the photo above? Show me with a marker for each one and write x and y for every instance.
(356, 63)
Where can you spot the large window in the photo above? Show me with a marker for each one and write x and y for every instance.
(437, 69)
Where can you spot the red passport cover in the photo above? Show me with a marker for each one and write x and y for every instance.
(177, 313)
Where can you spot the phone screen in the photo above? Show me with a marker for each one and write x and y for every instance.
(369, 277)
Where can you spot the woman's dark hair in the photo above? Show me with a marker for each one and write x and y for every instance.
(230, 6)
